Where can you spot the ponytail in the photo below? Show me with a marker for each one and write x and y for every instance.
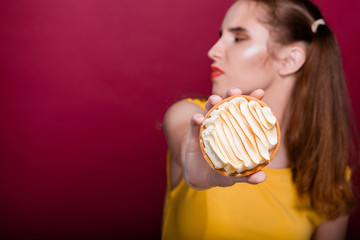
(318, 138)
(319, 132)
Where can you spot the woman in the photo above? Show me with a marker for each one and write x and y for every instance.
(282, 52)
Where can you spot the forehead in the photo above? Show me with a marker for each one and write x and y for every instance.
(245, 14)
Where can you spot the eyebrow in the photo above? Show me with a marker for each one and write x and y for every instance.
(234, 30)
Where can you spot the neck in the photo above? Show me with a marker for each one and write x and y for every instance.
(277, 96)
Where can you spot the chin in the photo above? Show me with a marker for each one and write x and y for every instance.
(218, 92)
(221, 90)
(247, 92)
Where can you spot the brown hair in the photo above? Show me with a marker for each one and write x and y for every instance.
(319, 136)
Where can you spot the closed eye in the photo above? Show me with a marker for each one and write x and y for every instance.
(240, 33)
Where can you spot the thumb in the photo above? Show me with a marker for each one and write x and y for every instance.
(193, 134)
(195, 124)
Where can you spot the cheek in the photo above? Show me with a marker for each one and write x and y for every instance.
(252, 52)
(251, 62)
(255, 56)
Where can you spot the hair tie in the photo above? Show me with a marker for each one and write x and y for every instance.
(316, 24)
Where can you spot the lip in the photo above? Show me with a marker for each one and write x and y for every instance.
(216, 72)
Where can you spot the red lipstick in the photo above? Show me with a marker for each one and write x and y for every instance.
(215, 72)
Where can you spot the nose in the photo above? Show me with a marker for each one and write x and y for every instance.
(216, 51)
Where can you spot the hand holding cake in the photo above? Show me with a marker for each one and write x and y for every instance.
(199, 171)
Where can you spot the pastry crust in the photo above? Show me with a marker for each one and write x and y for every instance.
(248, 171)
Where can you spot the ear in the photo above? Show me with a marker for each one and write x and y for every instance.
(291, 58)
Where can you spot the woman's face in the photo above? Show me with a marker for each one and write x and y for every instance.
(241, 57)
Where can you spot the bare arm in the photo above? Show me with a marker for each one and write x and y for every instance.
(181, 125)
(176, 125)
(332, 230)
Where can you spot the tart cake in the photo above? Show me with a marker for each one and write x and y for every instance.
(239, 136)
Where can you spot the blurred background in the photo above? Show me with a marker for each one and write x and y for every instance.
(84, 87)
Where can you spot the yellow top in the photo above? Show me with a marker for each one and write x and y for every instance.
(269, 210)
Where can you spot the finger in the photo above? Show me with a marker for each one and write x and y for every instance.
(217, 179)
(257, 177)
(212, 100)
(197, 119)
(254, 178)
(195, 123)
(258, 93)
(232, 92)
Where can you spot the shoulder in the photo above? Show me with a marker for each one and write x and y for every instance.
(176, 125)
(332, 229)
(187, 104)
(182, 111)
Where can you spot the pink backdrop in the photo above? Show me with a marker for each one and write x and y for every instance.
(84, 87)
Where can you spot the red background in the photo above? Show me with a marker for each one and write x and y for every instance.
(84, 87)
